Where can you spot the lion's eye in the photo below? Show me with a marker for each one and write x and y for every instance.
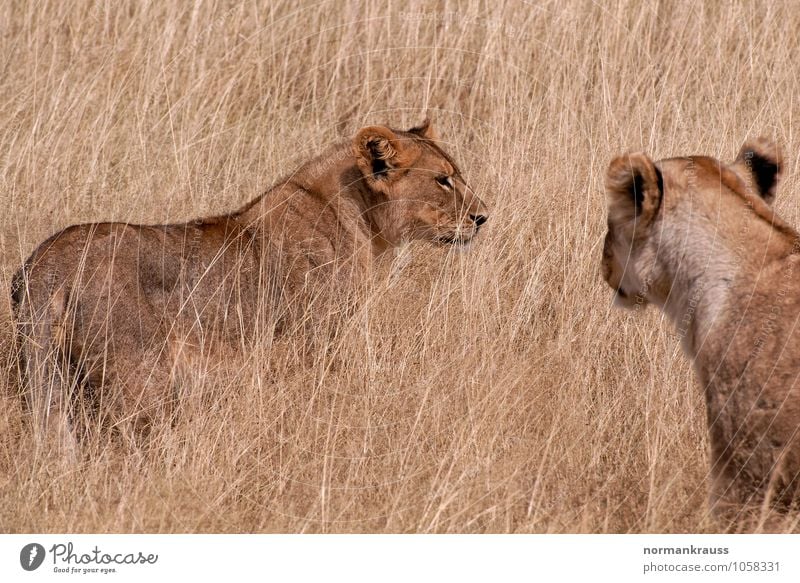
(445, 182)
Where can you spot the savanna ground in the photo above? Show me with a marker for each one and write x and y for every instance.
(491, 390)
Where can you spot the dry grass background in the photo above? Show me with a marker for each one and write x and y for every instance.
(488, 391)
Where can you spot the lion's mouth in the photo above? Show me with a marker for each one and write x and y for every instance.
(453, 240)
(624, 299)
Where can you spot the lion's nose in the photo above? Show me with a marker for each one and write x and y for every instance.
(479, 219)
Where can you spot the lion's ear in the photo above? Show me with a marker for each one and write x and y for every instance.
(760, 162)
(425, 130)
(379, 151)
(634, 186)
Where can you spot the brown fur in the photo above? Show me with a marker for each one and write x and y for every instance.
(103, 309)
(698, 238)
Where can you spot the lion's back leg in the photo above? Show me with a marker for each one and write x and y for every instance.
(126, 368)
(44, 373)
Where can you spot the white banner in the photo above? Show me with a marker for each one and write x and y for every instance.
(386, 558)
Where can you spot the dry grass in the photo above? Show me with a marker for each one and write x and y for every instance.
(488, 391)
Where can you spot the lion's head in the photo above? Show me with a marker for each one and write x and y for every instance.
(418, 192)
(693, 212)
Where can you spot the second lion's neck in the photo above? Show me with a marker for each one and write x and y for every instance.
(700, 271)
(713, 264)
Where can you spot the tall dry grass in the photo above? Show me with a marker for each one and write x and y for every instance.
(488, 391)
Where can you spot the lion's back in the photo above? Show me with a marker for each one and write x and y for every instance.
(108, 274)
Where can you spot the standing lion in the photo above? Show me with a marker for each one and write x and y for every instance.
(101, 309)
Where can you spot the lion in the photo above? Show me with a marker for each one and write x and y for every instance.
(699, 239)
(102, 309)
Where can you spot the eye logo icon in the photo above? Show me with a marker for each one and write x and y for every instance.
(31, 556)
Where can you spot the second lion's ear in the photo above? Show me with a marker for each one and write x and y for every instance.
(760, 163)
(634, 186)
(379, 151)
(425, 130)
